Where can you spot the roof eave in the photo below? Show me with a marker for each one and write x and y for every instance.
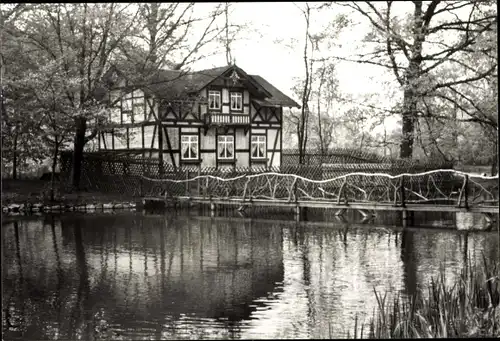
(290, 104)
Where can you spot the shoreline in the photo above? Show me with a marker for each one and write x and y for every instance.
(143, 208)
(28, 208)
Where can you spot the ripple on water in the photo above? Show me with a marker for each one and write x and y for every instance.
(155, 278)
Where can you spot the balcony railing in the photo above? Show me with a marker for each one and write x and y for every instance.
(228, 119)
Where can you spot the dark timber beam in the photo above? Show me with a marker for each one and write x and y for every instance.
(274, 146)
(169, 146)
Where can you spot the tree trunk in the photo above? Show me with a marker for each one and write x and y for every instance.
(320, 128)
(227, 42)
(494, 164)
(79, 143)
(305, 94)
(300, 138)
(153, 31)
(412, 75)
(160, 149)
(306, 126)
(14, 158)
(385, 140)
(409, 114)
(54, 164)
(320, 136)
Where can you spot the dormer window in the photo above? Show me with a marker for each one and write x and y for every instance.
(214, 100)
(236, 101)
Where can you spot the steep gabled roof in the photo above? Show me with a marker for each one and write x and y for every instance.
(175, 84)
(170, 84)
(277, 97)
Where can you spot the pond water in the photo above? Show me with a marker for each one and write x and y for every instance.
(171, 276)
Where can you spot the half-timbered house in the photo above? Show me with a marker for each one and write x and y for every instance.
(220, 117)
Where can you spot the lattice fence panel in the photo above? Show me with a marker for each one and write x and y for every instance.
(138, 176)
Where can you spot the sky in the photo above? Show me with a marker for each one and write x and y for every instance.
(280, 64)
(273, 49)
(275, 52)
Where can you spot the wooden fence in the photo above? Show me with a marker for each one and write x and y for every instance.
(111, 173)
(332, 156)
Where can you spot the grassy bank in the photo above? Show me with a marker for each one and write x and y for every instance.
(38, 191)
(469, 308)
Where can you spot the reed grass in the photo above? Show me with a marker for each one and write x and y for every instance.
(469, 308)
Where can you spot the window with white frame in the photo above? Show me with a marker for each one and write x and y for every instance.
(214, 100)
(225, 147)
(258, 146)
(189, 147)
(236, 101)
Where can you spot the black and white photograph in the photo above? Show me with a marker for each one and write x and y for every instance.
(249, 170)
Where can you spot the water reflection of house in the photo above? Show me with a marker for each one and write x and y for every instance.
(143, 272)
(187, 266)
(160, 276)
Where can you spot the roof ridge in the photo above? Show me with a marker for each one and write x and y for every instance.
(213, 68)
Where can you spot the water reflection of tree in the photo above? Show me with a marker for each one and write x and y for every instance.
(115, 253)
(18, 285)
(306, 276)
(92, 258)
(409, 262)
(465, 249)
(81, 309)
(146, 251)
(59, 271)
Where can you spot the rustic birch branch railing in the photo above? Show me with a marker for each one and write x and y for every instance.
(436, 187)
(338, 185)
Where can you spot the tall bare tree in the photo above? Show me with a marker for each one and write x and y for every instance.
(433, 36)
(325, 95)
(317, 87)
(306, 86)
(234, 31)
(175, 35)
